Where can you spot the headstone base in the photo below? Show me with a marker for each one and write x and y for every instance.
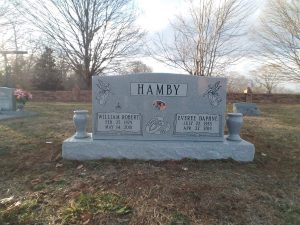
(4, 115)
(89, 149)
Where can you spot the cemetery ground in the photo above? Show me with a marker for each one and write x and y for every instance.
(38, 187)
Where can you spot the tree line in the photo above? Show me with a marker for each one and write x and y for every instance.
(70, 41)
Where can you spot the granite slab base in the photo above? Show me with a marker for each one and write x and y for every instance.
(89, 149)
(5, 115)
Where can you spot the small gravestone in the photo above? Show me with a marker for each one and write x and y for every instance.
(158, 117)
(8, 105)
(7, 99)
(246, 108)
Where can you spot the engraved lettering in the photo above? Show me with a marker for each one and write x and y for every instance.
(196, 124)
(169, 89)
(176, 88)
(140, 88)
(149, 90)
(160, 89)
(117, 123)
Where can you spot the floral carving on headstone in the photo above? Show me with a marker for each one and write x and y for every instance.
(157, 125)
(103, 92)
(213, 95)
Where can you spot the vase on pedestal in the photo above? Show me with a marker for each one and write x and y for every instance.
(20, 106)
(234, 123)
(80, 121)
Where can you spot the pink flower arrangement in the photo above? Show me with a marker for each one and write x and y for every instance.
(22, 96)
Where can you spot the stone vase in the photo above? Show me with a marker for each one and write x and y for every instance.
(234, 123)
(20, 106)
(80, 119)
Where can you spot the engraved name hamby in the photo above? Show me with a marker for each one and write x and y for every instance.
(158, 89)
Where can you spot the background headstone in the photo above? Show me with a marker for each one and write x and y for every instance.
(7, 99)
(246, 108)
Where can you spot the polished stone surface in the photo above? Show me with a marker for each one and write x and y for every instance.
(7, 99)
(89, 149)
(158, 117)
(159, 106)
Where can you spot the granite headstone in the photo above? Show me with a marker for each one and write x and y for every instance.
(157, 117)
(159, 107)
(246, 108)
(7, 99)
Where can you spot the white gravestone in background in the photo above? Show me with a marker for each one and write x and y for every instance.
(7, 99)
(158, 117)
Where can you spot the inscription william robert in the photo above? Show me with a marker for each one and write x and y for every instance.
(119, 123)
(158, 89)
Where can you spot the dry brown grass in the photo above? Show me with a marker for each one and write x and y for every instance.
(49, 190)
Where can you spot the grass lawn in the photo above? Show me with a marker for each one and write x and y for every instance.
(38, 187)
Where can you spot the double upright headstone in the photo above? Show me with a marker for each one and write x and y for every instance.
(157, 116)
(159, 107)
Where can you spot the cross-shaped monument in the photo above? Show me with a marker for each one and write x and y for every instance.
(5, 53)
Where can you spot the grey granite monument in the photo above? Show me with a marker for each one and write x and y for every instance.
(7, 99)
(157, 117)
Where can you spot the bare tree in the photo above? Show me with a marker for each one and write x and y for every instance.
(3, 11)
(236, 82)
(268, 76)
(208, 40)
(94, 34)
(280, 36)
(138, 67)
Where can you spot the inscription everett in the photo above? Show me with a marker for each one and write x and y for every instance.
(197, 124)
(119, 123)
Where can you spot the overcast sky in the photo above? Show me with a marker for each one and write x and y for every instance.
(155, 17)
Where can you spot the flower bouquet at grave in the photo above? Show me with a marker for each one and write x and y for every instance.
(22, 96)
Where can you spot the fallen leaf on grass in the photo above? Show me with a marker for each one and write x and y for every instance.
(79, 167)
(6, 200)
(36, 181)
(86, 222)
(59, 165)
(16, 204)
(86, 217)
(73, 194)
